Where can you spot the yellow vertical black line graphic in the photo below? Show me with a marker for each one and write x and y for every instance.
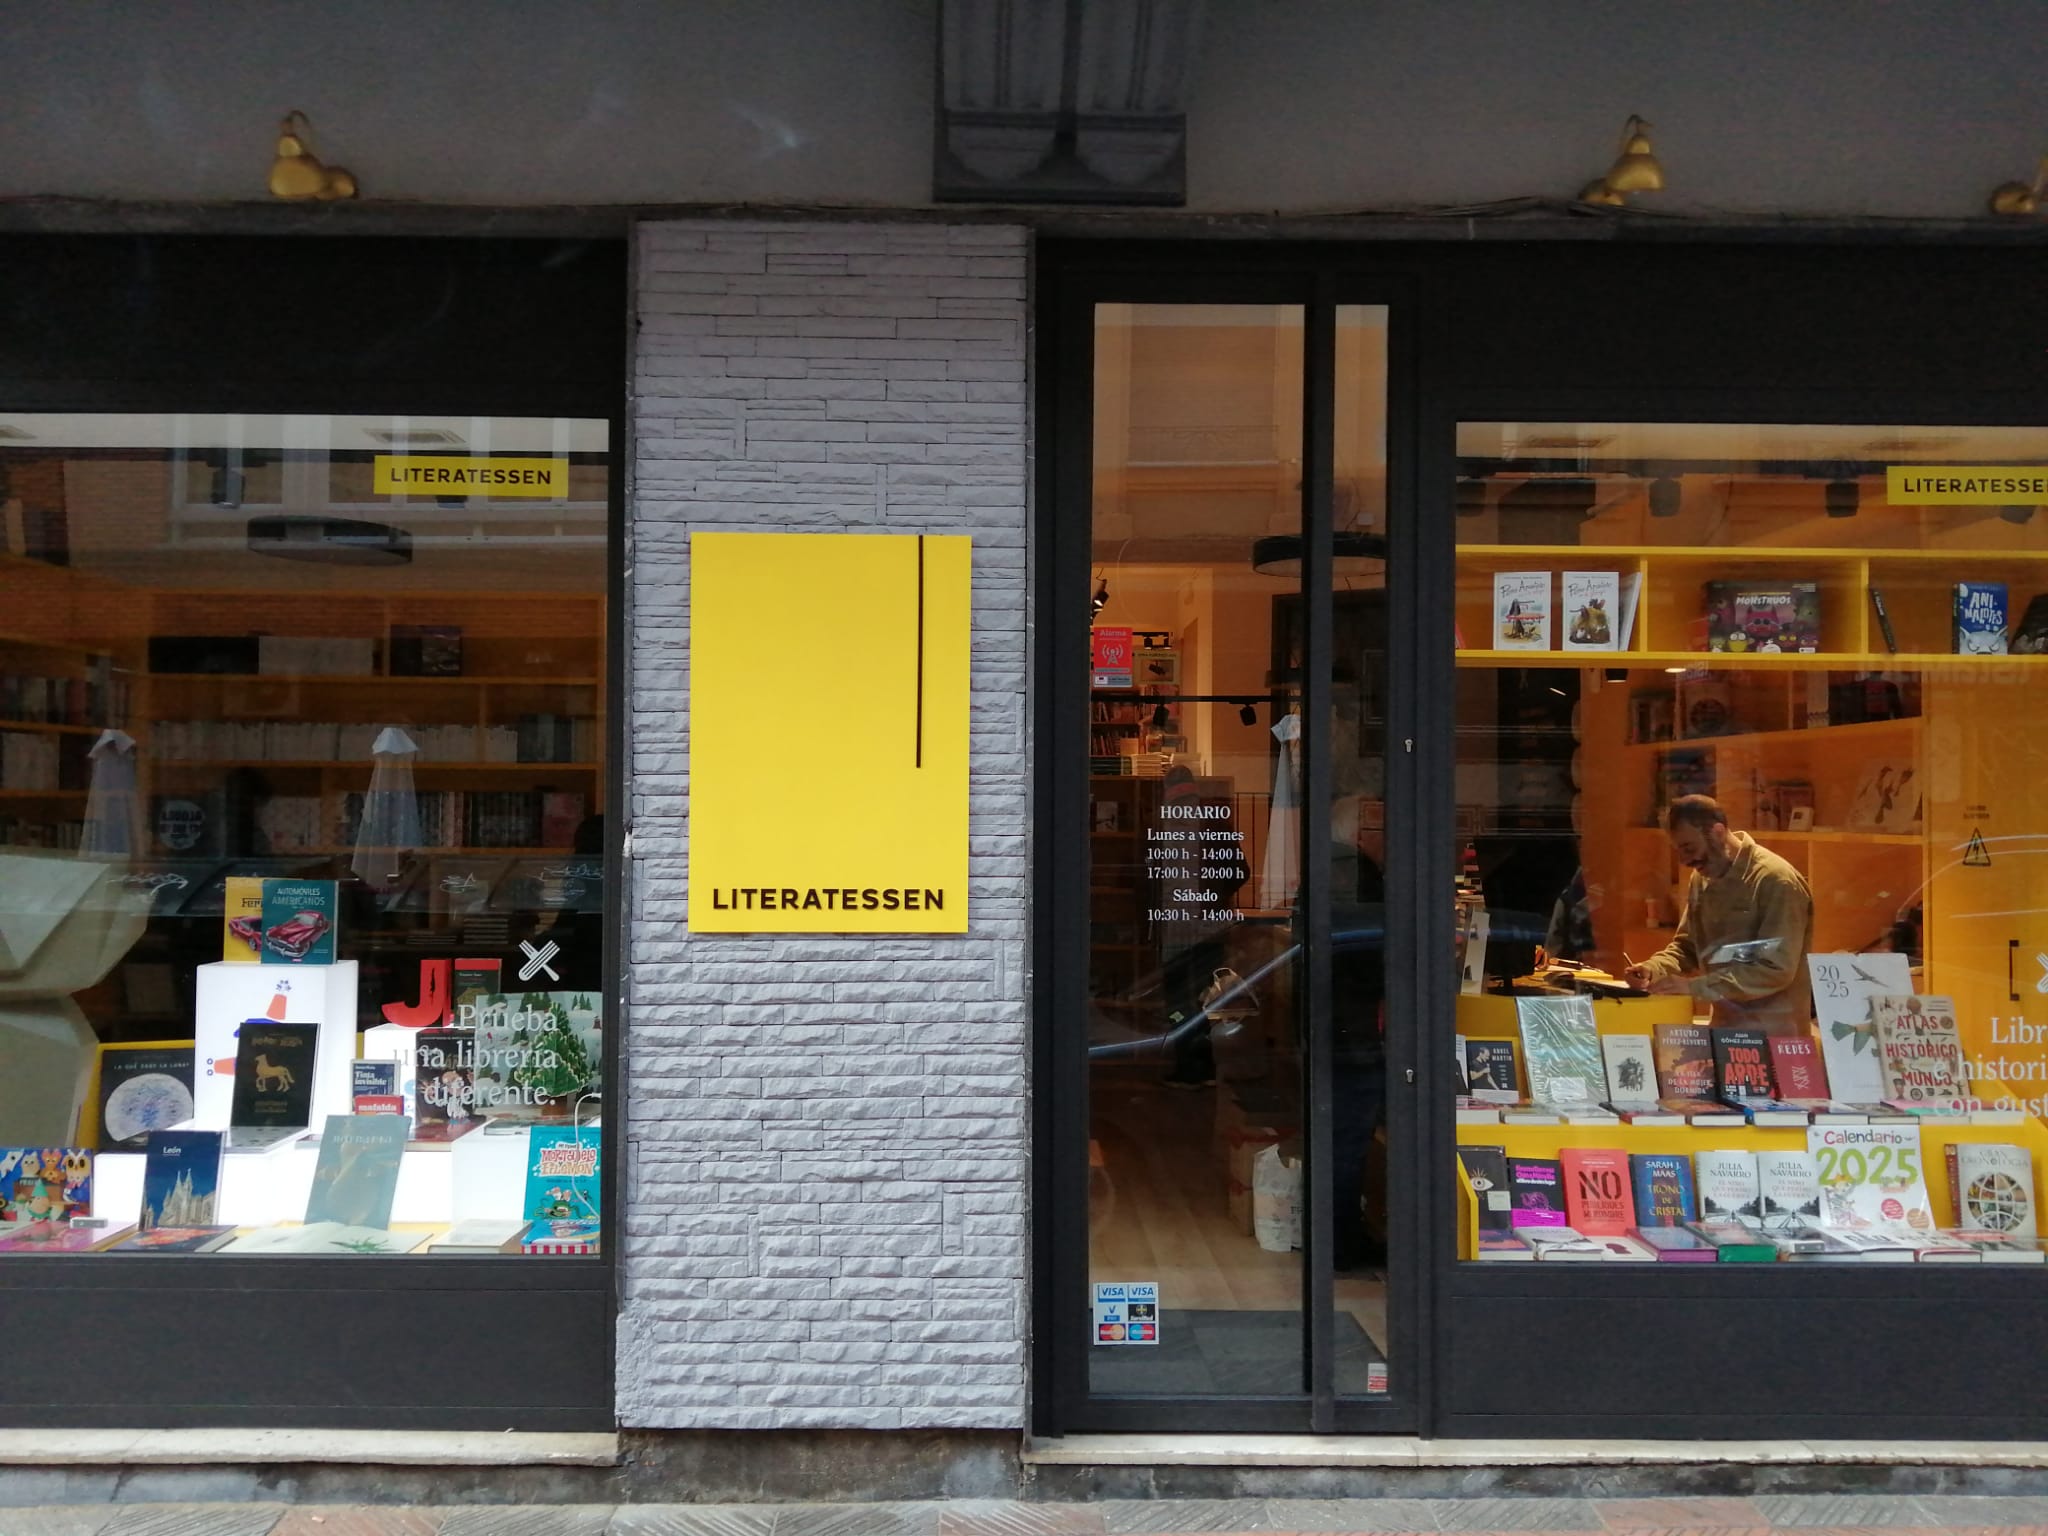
(919, 758)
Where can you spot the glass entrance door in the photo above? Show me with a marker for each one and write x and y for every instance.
(1226, 996)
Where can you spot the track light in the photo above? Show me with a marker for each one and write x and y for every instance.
(1635, 169)
(1160, 718)
(1665, 496)
(1843, 497)
(2017, 514)
(1101, 598)
(1247, 714)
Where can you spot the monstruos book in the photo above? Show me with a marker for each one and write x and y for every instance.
(1537, 1186)
(273, 1092)
(1561, 1050)
(1789, 1186)
(181, 1179)
(1631, 1069)
(1685, 1061)
(1995, 1185)
(562, 1180)
(1980, 618)
(1521, 610)
(1796, 1066)
(1490, 1070)
(1597, 1197)
(1742, 1065)
(1728, 1187)
(356, 1176)
(1486, 1169)
(1919, 1048)
(1591, 609)
(1663, 1189)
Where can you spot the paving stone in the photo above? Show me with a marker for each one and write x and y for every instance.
(527, 1520)
(1516, 1515)
(1002, 1517)
(56, 1520)
(1353, 1514)
(857, 1520)
(692, 1520)
(1679, 1514)
(192, 1520)
(1145, 1517)
(1845, 1510)
(1967, 1509)
(358, 1520)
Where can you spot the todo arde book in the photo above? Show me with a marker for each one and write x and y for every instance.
(1843, 985)
(1591, 609)
(1789, 1186)
(1980, 618)
(1631, 1069)
(1663, 1188)
(1561, 1050)
(273, 1090)
(1597, 1197)
(160, 1240)
(1685, 1061)
(1796, 1066)
(1995, 1185)
(1521, 610)
(356, 1175)
(1727, 1182)
(1919, 1048)
(1486, 1169)
(181, 1179)
(562, 1173)
(1537, 1187)
(1742, 1064)
(1490, 1070)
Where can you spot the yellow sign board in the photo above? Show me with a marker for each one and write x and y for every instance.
(828, 733)
(411, 474)
(1957, 485)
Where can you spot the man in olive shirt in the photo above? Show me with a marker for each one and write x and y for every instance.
(1741, 894)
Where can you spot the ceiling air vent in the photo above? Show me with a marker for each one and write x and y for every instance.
(1891, 447)
(414, 437)
(1566, 443)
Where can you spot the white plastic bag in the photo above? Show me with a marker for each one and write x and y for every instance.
(1276, 1201)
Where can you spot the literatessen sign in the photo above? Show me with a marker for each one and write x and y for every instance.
(1964, 485)
(828, 733)
(399, 474)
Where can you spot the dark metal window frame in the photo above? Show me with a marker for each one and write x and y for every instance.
(341, 327)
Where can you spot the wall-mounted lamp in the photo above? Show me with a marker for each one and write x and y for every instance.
(1843, 497)
(2021, 199)
(1247, 714)
(297, 175)
(1665, 496)
(1160, 718)
(1635, 169)
(1101, 598)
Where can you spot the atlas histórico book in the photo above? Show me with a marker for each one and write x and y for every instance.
(1919, 1048)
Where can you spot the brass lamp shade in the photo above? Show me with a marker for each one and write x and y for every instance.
(1636, 169)
(297, 175)
(1600, 192)
(2019, 199)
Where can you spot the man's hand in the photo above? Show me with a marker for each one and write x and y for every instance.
(1637, 976)
(1666, 986)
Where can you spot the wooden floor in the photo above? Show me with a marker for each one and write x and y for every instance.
(1158, 1208)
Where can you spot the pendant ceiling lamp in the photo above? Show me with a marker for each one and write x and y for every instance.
(1635, 169)
(1351, 554)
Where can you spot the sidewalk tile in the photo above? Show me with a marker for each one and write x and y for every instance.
(1516, 1515)
(1842, 1510)
(56, 1520)
(1959, 1509)
(1006, 1517)
(1354, 1514)
(857, 1520)
(192, 1520)
(527, 1520)
(358, 1520)
(692, 1520)
(1676, 1514)
(1158, 1517)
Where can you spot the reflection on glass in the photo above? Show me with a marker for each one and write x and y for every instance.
(1195, 1080)
(1743, 726)
(276, 747)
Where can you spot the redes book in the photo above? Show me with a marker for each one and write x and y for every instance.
(1728, 1185)
(1663, 1188)
(1685, 1061)
(273, 1095)
(1742, 1064)
(1796, 1064)
(1561, 1050)
(1537, 1185)
(1980, 618)
(1631, 1069)
(356, 1175)
(1596, 1190)
(1521, 610)
(1920, 1050)
(181, 1179)
(562, 1167)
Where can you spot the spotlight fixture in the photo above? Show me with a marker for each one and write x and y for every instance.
(1351, 554)
(1635, 169)
(2017, 514)
(332, 540)
(1247, 714)
(1101, 598)
(1160, 718)
(1665, 496)
(1843, 497)
(2021, 199)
